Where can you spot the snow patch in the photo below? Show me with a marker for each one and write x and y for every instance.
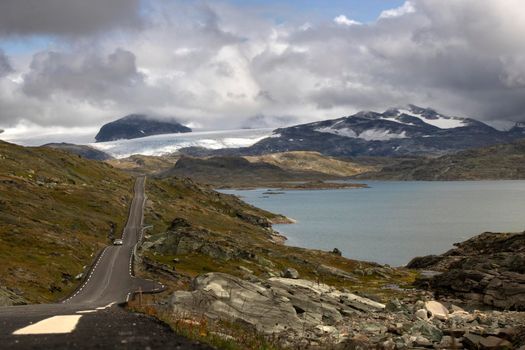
(380, 135)
(368, 135)
(441, 122)
(346, 132)
(392, 119)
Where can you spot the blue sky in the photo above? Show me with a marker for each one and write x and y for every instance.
(359, 10)
(281, 11)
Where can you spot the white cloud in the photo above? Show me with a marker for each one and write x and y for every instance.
(343, 20)
(219, 66)
(407, 7)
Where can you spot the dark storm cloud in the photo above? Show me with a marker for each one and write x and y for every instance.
(90, 77)
(5, 66)
(66, 17)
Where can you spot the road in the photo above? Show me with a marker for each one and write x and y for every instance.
(91, 317)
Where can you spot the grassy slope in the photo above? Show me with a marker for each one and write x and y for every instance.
(500, 162)
(312, 161)
(56, 211)
(218, 213)
(144, 165)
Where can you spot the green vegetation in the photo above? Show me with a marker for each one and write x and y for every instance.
(56, 211)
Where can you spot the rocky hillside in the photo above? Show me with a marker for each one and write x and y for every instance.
(500, 162)
(313, 162)
(488, 269)
(56, 211)
(237, 172)
(137, 125)
(396, 132)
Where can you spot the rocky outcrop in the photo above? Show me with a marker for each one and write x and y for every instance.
(9, 298)
(270, 306)
(304, 314)
(488, 269)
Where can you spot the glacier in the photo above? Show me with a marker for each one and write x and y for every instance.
(159, 145)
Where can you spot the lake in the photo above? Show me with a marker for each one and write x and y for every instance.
(392, 222)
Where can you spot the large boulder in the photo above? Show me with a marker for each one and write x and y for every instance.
(272, 306)
(487, 269)
(218, 295)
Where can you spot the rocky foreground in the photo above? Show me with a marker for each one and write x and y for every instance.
(299, 313)
(304, 314)
(233, 283)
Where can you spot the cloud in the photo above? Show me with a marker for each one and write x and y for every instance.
(404, 9)
(89, 76)
(343, 20)
(218, 65)
(5, 65)
(67, 17)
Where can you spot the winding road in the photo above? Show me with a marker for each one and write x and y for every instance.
(91, 318)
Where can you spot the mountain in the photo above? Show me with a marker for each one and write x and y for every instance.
(81, 150)
(498, 162)
(137, 125)
(396, 132)
(236, 171)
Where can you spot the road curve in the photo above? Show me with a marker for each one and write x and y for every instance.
(111, 278)
(91, 318)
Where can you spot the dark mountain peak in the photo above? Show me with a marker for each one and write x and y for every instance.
(518, 128)
(138, 125)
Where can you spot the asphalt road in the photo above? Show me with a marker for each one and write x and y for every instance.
(91, 317)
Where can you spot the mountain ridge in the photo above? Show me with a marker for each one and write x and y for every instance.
(398, 132)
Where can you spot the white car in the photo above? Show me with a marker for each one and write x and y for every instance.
(118, 242)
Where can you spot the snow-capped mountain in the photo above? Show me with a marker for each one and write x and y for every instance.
(411, 130)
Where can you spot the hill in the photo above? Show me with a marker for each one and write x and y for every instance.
(81, 150)
(137, 125)
(56, 211)
(237, 172)
(399, 132)
(499, 162)
(312, 162)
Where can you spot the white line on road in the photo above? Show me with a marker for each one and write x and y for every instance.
(52, 325)
(86, 311)
(105, 307)
(89, 277)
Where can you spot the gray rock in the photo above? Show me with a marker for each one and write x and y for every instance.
(422, 314)
(218, 295)
(272, 306)
(290, 272)
(427, 330)
(9, 298)
(334, 271)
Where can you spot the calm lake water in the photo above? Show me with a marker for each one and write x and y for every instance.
(392, 222)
